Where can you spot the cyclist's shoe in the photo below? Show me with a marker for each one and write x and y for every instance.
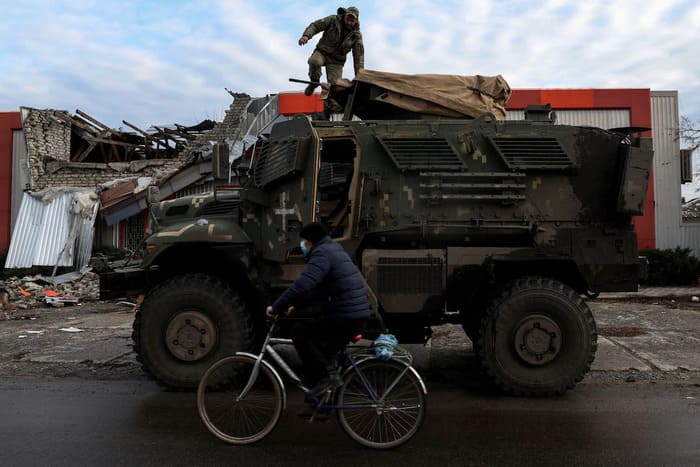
(308, 411)
(328, 383)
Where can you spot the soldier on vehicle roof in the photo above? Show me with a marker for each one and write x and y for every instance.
(341, 34)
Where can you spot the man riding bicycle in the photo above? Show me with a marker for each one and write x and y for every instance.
(330, 278)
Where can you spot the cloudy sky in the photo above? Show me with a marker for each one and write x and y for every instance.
(159, 62)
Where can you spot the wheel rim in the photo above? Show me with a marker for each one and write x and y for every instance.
(537, 340)
(190, 335)
(381, 425)
(233, 420)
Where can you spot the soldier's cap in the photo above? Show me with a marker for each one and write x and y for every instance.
(352, 11)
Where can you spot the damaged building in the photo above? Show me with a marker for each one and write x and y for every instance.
(76, 184)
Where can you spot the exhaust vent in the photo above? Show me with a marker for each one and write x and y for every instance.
(421, 153)
(280, 159)
(531, 153)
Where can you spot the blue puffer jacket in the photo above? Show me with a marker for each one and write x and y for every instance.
(329, 276)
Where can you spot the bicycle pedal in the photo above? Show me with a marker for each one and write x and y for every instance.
(319, 417)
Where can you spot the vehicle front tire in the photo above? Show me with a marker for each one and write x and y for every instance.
(187, 323)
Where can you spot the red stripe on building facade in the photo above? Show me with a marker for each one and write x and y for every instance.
(9, 122)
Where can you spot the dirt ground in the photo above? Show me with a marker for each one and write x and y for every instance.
(643, 341)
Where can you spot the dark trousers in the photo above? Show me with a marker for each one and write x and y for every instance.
(318, 341)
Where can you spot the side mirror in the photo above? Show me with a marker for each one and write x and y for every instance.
(152, 195)
(219, 161)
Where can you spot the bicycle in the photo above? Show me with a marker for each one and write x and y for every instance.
(379, 403)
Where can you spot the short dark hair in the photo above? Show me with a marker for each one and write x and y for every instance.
(313, 232)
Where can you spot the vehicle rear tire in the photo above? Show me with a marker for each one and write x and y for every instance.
(239, 422)
(187, 323)
(538, 338)
(391, 423)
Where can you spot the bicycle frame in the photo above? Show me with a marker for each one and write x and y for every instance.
(378, 399)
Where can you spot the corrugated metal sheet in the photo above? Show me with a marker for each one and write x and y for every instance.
(667, 170)
(41, 231)
(86, 237)
(671, 230)
(601, 118)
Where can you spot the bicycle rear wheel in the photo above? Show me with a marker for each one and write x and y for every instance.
(394, 417)
(242, 421)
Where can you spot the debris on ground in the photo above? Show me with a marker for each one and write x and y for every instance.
(38, 291)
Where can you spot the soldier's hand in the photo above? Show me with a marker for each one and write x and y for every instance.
(303, 40)
(290, 310)
(269, 311)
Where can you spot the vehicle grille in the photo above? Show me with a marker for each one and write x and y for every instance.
(421, 275)
(278, 160)
(219, 207)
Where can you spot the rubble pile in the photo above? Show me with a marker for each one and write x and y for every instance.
(38, 291)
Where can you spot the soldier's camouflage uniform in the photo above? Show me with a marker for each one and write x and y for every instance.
(334, 45)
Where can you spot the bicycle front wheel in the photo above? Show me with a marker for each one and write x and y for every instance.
(235, 419)
(381, 404)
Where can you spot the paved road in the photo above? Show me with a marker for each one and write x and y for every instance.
(639, 405)
(68, 422)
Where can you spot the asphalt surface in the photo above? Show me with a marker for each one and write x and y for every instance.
(69, 422)
(73, 394)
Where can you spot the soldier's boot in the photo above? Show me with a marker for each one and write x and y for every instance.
(310, 89)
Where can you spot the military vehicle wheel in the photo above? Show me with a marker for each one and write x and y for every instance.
(538, 338)
(187, 323)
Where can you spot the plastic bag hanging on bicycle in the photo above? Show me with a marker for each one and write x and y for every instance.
(384, 346)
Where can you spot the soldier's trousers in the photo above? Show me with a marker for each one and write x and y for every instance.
(334, 70)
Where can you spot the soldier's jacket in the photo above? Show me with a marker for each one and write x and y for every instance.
(335, 43)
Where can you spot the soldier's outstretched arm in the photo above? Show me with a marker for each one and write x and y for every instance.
(316, 27)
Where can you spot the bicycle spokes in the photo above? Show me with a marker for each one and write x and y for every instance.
(229, 414)
(386, 421)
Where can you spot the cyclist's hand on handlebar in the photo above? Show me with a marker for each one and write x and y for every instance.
(270, 312)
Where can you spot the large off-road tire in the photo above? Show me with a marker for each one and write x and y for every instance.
(187, 323)
(538, 338)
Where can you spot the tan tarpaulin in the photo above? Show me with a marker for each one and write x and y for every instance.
(445, 95)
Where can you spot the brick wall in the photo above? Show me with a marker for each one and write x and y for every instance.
(48, 135)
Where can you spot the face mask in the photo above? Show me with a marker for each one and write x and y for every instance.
(304, 248)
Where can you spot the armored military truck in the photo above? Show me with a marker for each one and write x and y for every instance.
(501, 226)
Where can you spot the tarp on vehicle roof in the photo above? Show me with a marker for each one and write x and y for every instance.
(442, 95)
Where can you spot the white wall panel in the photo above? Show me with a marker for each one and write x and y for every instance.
(601, 118)
(20, 173)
